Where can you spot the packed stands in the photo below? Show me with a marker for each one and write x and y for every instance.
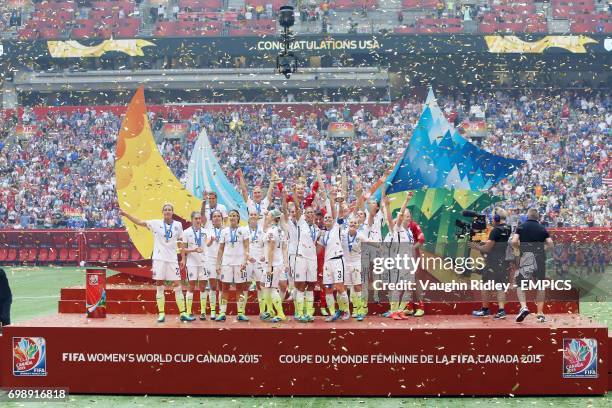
(58, 177)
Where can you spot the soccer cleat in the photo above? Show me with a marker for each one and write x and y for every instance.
(324, 312)
(203, 316)
(220, 318)
(387, 314)
(277, 319)
(213, 315)
(501, 314)
(481, 313)
(360, 317)
(242, 318)
(355, 314)
(346, 316)
(161, 318)
(264, 316)
(541, 318)
(186, 318)
(335, 317)
(309, 319)
(419, 313)
(302, 319)
(397, 316)
(522, 315)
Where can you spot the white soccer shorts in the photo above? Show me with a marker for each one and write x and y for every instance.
(333, 271)
(305, 269)
(233, 274)
(163, 270)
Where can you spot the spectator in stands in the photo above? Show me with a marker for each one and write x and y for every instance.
(440, 8)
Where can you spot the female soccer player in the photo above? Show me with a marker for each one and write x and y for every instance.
(213, 232)
(193, 260)
(168, 236)
(398, 240)
(232, 261)
(352, 239)
(334, 266)
(256, 265)
(259, 203)
(277, 264)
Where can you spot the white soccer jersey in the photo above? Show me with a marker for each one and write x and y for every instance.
(277, 235)
(260, 208)
(374, 232)
(213, 250)
(332, 242)
(306, 239)
(256, 243)
(233, 251)
(400, 235)
(351, 246)
(192, 239)
(292, 236)
(165, 239)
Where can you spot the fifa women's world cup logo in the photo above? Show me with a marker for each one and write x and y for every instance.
(29, 356)
(580, 358)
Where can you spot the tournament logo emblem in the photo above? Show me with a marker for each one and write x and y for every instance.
(579, 358)
(29, 356)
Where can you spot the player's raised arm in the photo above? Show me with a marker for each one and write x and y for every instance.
(135, 220)
(203, 208)
(243, 187)
(273, 180)
(400, 217)
(359, 202)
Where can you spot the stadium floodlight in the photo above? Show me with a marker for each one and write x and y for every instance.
(286, 60)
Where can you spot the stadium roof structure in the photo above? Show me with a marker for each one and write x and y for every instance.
(196, 79)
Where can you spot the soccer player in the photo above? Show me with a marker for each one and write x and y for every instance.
(259, 203)
(334, 267)
(351, 247)
(305, 265)
(167, 236)
(277, 263)
(213, 233)
(255, 267)
(193, 260)
(213, 205)
(232, 261)
(398, 240)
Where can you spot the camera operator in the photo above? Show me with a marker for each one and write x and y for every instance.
(532, 239)
(496, 267)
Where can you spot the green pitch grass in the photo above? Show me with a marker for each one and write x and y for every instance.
(36, 293)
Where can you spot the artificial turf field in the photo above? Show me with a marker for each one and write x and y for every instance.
(36, 293)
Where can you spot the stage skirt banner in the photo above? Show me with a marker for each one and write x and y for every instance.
(126, 357)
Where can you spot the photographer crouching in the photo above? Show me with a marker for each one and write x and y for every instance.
(496, 267)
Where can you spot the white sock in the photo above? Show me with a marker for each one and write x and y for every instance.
(330, 300)
(521, 297)
(345, 300)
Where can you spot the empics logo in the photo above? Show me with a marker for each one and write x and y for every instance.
(579, 358)
(29, 356)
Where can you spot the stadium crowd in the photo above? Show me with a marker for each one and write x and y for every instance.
(59, 176)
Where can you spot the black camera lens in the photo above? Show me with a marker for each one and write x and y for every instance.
(285, 17)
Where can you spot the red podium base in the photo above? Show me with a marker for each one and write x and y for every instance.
(433, 355)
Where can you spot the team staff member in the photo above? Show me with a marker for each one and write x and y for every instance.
(416, 308)
(277, 264)
(193, 260)
(496, 267)
(232, 263)
(532, 240)
(167, 236)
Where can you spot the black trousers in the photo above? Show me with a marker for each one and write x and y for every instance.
(5, 311)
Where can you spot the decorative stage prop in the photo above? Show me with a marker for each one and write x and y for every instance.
(435, 355)
(205, 174)
(95, 292)
(144, 182)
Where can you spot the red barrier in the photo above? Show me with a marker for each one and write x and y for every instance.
(66, 246)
